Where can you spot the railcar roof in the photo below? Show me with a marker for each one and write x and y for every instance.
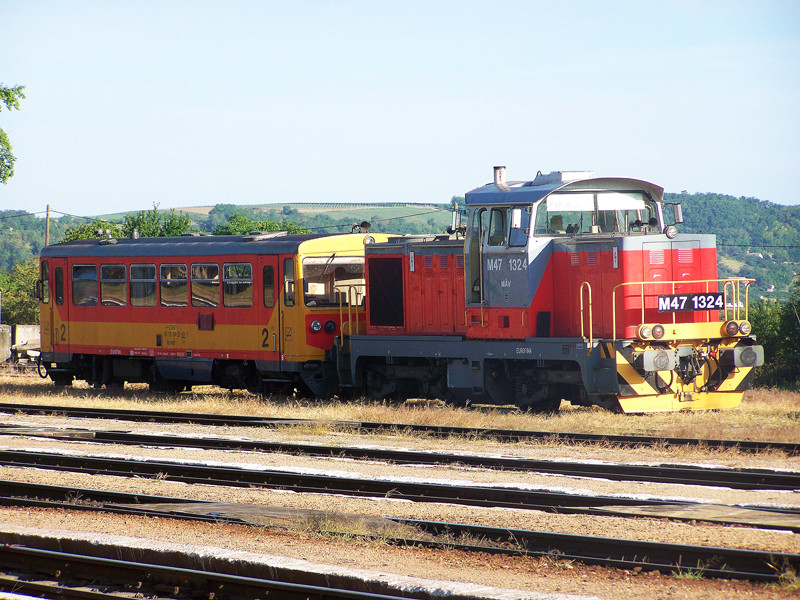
(528, 192)
(188, 245)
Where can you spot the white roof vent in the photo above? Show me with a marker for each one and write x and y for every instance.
(562, 177)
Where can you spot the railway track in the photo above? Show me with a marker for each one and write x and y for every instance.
(508, 435)
(416, 491)
(728, 563)
(745, 479)
(58, 574)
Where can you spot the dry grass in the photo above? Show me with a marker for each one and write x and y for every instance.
(768, 415)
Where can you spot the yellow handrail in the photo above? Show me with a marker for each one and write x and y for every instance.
(735, 297)
(353, 309)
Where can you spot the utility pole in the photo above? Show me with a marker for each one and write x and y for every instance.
(47, 228)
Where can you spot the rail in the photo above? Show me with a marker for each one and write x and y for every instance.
(731, 290)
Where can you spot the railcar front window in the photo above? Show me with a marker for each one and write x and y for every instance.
(205, 285)
(237, 291)
(329, 280)
(84, 285)
(113, 284)
(143, 285)
(174, 286)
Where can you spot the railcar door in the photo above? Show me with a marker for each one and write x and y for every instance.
(58, 335)
(269, 312)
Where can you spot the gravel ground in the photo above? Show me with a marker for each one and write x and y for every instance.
(532, 575)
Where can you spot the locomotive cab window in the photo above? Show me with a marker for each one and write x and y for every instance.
(605, 212)
(143, 285)
(174, 286)
(205, 285)
(497, 227)
(331, 280)
(237, 290)
(113, 284)
(84, 285)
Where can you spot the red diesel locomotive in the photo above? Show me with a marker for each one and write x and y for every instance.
(568, 286)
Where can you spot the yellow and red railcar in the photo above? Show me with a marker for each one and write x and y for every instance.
(259, 311)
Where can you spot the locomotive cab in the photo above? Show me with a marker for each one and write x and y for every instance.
(587, 265)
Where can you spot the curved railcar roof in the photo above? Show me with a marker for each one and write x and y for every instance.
(528, 192)
(189, 245)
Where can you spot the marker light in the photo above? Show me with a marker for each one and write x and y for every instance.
(658, 331)
(330, 326)
(731, 328)
(645, 331)
(316, 326)
(745, 328)
(671, 231)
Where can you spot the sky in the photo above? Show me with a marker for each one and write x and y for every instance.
(197, 103)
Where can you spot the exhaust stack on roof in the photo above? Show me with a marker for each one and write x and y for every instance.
(500, 178)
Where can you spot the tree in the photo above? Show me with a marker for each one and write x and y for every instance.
(88, 231)
(240, 224)
(149, 223)
(10, 96)
(152, 223)
(19, 304)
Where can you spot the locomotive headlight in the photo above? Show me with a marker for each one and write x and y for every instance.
(369, 240)
(658, 331)
(645, 332)
(731, 328)
(671, 231)
(316, 326)
(745, 328)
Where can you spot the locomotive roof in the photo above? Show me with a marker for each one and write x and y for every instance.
(528, 192)
(185, 245)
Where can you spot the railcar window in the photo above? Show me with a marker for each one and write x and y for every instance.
(59, 283)
(143, 285)
(174, 286)
(84, 285)
(113, 284)
(288, 282)
(269, 286)
(205, 285)
(329, 280)
(45, 282)
(237, 289)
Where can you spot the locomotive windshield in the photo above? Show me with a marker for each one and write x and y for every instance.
(600, 212)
